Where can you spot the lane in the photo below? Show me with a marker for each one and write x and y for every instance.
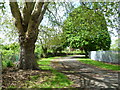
(85, 75)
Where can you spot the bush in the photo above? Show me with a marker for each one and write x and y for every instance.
(8, 54)
(38, 51)
(7, 63)
(4, 64)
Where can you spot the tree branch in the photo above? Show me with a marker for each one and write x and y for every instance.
(42, 13)
(37, 9)
(90, 9)
(34, 19)
(17, 15)
(27, 10)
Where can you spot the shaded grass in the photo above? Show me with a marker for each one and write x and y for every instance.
(45, 78)
(100, 64)
(52, 80)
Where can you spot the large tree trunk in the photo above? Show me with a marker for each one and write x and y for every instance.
(27, 56)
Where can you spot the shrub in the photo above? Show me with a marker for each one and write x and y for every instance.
(9, 54)
(4, 64)
(7, 63)
(38, 51)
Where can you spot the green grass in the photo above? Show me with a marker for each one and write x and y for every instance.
(100, 64)
(57, 80)
(52, 80)
(44, 63)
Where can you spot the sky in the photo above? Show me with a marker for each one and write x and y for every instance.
(45, 20)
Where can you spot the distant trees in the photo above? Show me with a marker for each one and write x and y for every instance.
(116, 45)
(51, 39)
(57, 43)
(87, 28)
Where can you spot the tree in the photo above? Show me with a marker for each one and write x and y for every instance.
(44, 37)
(51, 39)
(27, 17)
(57, 42)
(116, 45)
(8, 30)
(27, 23)
(87, 28)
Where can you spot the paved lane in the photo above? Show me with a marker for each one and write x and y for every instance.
(85, 76)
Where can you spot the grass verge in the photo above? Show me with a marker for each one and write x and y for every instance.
(52, 80)
(100, 64)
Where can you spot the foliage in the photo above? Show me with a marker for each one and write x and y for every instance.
(2, 6)
(38, 51)
(100, 64)
(8, 30)
(51, 39)
(57, 42)
(14, 47)
(7, 63)
(87, 28)
(57, 12)
(73, 52)
(9, 54)
(109, 9)
(116, 45)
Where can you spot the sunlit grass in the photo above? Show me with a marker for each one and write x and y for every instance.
(100, 64)
(44, 63)
(57, 80)
(52, 80)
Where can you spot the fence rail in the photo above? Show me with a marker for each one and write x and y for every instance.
(106, 56)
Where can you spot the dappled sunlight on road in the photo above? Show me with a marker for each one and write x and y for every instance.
(85, 76)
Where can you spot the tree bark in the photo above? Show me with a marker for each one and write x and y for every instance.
(86, 53)
(27, 56)
(27, 24)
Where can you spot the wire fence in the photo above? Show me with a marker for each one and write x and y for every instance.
(106, 56)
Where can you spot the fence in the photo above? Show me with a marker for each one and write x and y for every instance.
(106, 56)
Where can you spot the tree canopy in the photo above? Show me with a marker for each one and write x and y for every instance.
(87, 28)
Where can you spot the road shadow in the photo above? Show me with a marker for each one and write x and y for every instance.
(87, 77)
